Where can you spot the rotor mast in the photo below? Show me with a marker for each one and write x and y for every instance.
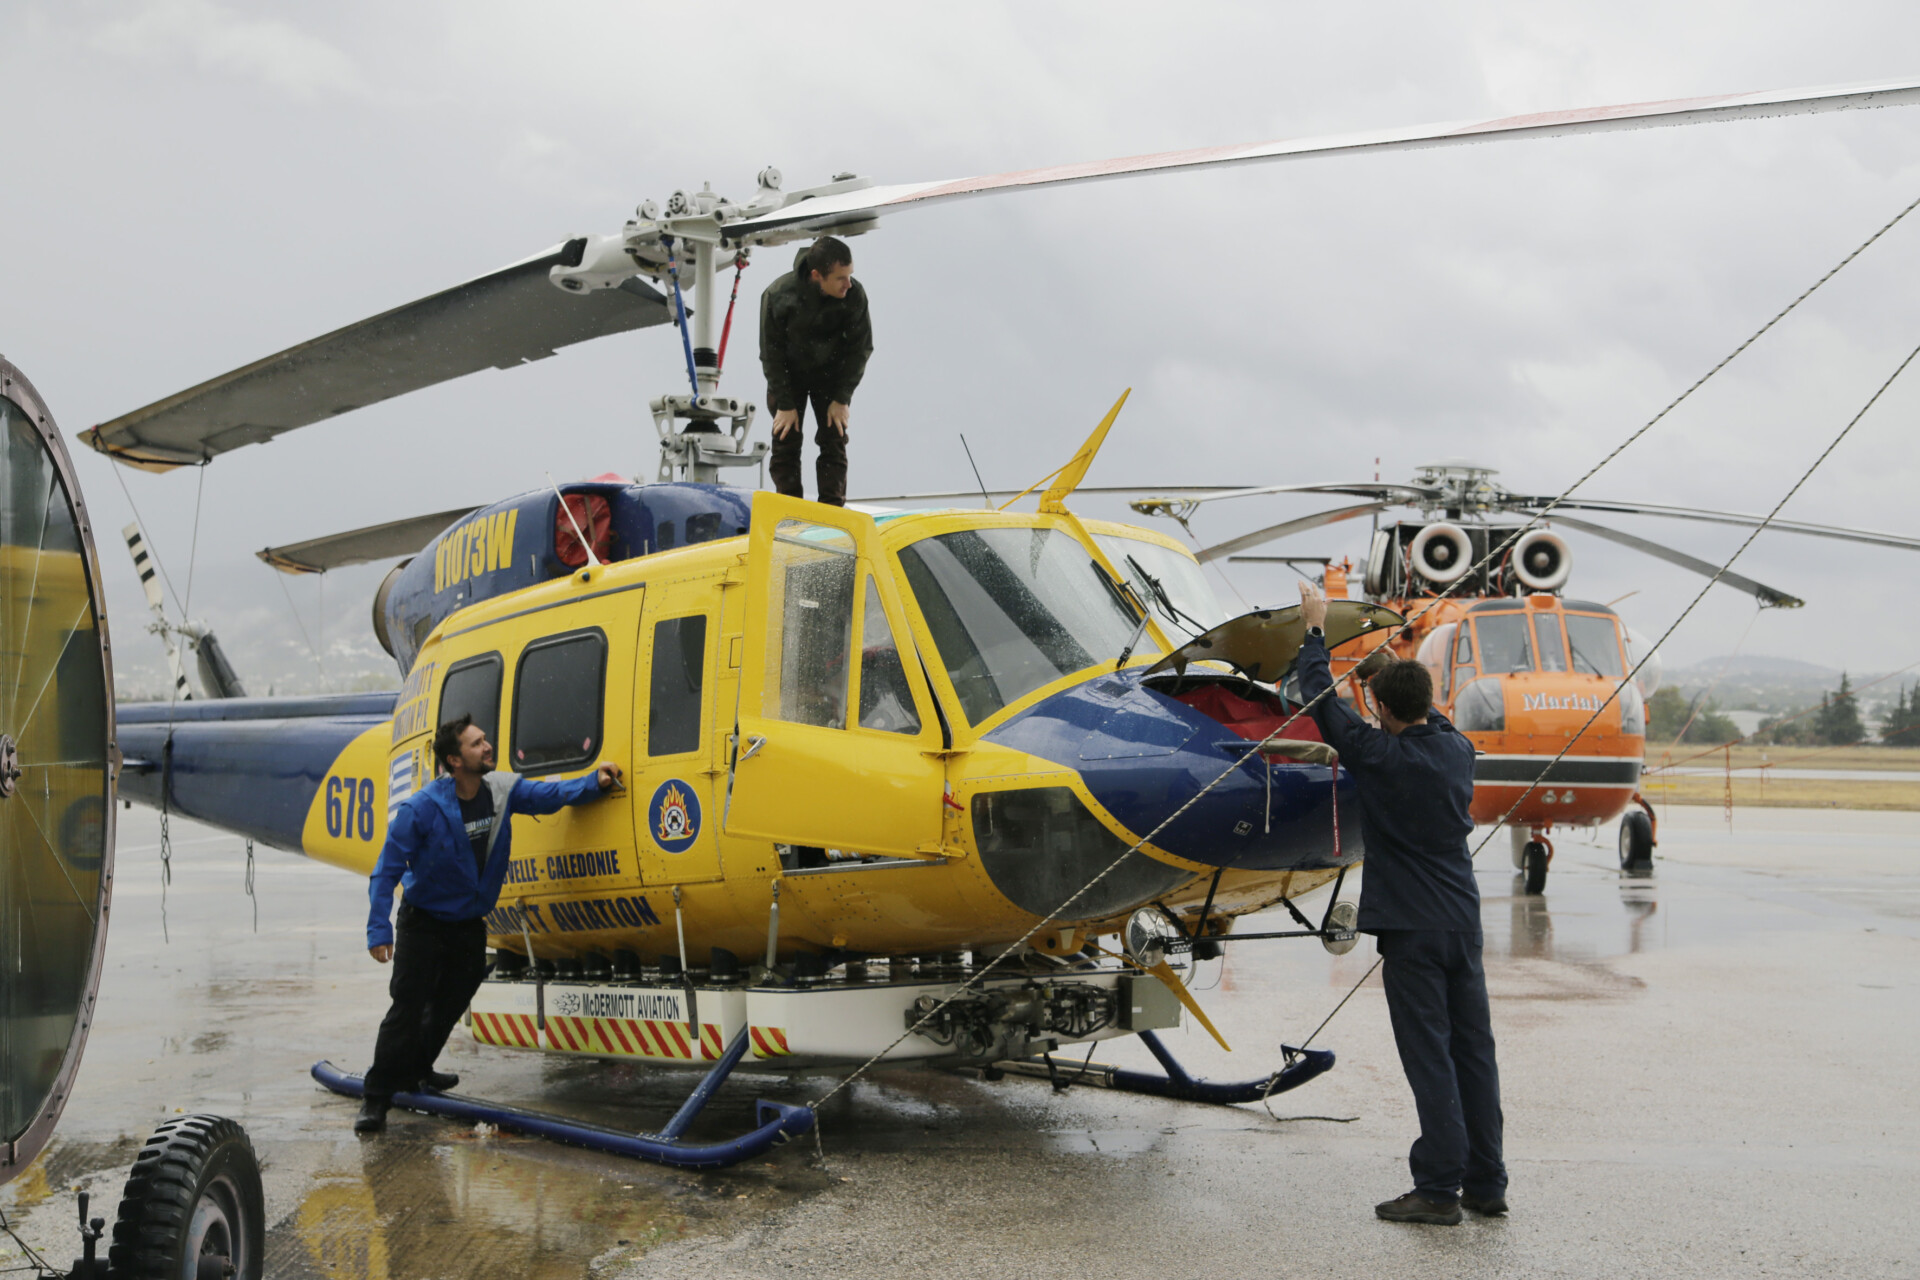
(683, 248)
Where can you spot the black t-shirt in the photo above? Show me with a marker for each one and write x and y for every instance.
(477, 814)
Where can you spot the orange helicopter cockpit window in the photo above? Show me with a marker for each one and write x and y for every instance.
(1547, 642)
(1596, 645)
(1506, 643)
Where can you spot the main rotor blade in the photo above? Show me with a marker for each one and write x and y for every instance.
(1899, 541)
(1008, 493)
(361, 546)
(1769, 597)
(1291, 527)
(505, 318)
(822, 213)
(1390, 493)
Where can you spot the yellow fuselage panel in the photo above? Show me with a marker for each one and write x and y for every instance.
(602, 876)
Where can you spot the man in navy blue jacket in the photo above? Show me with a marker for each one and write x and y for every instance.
(1415, 778)
(449, 845)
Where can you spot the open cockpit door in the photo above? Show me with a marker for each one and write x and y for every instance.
(838, 743)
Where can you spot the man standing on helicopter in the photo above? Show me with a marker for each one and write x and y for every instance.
(815, 337)
(449, 845)
(1415, 778)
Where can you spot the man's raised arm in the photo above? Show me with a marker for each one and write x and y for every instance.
(1357, 741)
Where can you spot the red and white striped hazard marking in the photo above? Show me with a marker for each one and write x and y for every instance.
(769, 1042)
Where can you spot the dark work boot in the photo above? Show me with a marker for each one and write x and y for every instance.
(1414, 1207)
(372, 1117)
(1485, 1206)
(438, 1081)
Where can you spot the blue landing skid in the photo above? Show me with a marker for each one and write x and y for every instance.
(1305, 1064)
(778, 1121)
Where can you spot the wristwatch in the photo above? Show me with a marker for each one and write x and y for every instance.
(1317, 632)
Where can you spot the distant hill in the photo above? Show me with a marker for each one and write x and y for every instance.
(1754, 666)
(1762, 682)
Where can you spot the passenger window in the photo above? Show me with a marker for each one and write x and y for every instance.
(1504, 643)
(557, 694)
(679, 668)
(472, 688)
(886, 702)
(1461, 675)
(663, 534)
(811, 615)
(1546, 641)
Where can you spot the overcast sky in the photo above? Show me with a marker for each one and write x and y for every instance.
(192, 185)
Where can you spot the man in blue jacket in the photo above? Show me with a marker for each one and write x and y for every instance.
(1415, 778)
(449, 845)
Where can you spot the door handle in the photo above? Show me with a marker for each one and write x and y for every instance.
(755, 741)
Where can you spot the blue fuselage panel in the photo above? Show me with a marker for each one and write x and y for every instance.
(1143, 755)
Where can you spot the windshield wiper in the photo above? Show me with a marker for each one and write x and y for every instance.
(1121, 594)
(1160, 596)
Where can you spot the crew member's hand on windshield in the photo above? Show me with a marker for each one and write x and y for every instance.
(837, 418)
(785, 420)
(382, 953)
(1313, 605)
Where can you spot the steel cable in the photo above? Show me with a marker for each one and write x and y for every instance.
(1664, 636)
(1494, 554)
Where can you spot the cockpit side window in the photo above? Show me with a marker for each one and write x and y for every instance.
(1505, 645)
(815, 570)
(886, 703)
(1596, 645)
(675, 682)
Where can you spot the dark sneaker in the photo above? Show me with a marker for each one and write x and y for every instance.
(1414, 1207)
(1485, 1206)
(372, 1117)
(438, 1081)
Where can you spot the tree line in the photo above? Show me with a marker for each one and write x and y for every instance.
(1837, 721)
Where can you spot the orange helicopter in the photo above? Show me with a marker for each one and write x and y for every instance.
(1516, 666)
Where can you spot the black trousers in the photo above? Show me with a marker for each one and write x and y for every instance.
(437, 966)
(1437, 997)
(830, 472)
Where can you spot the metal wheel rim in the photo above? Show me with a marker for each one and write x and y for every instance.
(217, 1230)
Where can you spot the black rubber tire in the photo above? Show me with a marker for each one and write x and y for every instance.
(1533, 868)
(1636, 841)
(193, 1192)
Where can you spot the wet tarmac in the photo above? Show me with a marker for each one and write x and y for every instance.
(1706, 1072)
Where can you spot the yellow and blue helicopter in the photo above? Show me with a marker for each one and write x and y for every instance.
(870, 749)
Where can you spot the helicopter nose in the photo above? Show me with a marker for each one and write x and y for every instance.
(1146, 757)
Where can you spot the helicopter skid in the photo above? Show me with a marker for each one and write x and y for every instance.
(778, 1121)
(1303, 1065)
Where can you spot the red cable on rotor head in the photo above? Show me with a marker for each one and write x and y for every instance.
(726, 330)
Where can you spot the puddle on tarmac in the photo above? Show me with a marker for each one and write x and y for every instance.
(420, 1201)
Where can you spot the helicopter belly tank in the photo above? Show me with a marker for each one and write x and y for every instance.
(1143, 755)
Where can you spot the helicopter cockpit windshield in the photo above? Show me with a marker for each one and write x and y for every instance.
(1188, 605)
(1014, 609)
